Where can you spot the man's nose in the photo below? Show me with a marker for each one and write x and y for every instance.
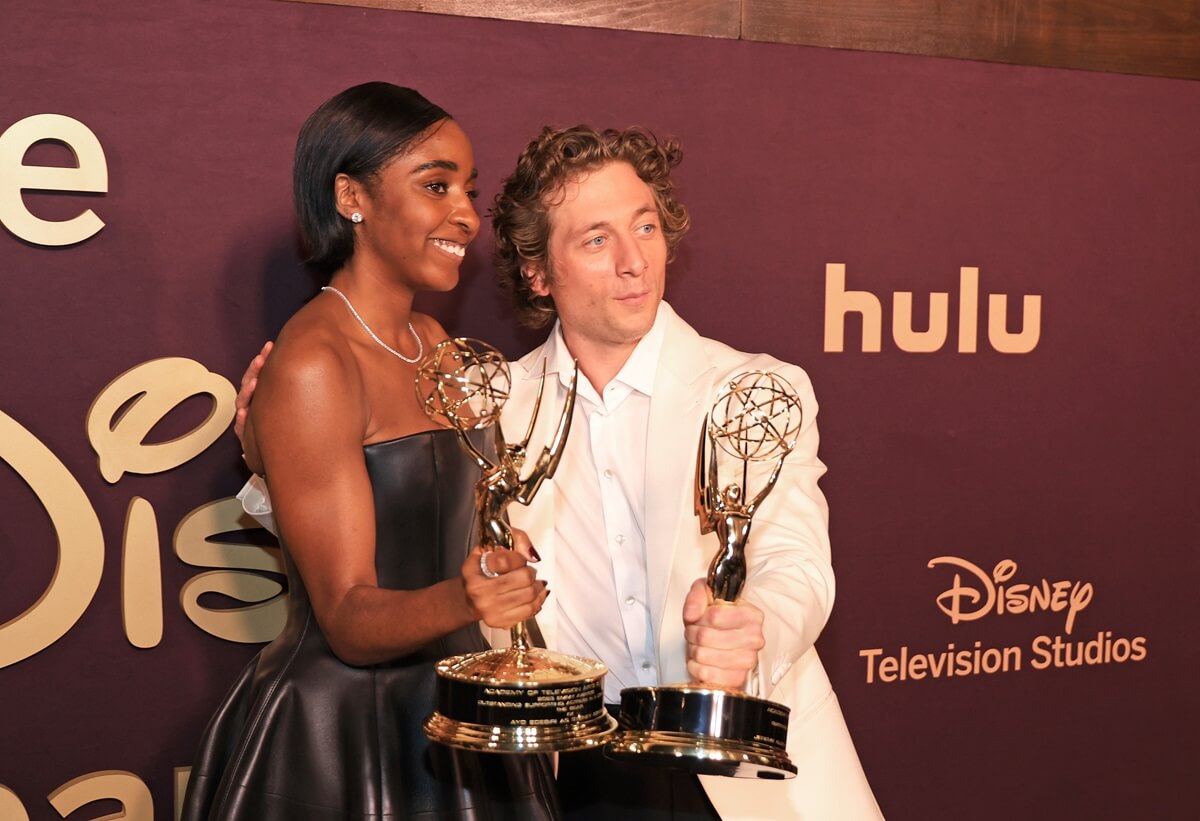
(632, 261)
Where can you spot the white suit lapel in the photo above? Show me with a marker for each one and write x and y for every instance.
(681, 391)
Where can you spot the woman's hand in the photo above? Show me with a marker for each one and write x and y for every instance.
(514, 593)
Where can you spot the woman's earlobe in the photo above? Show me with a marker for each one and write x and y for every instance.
(345, 198)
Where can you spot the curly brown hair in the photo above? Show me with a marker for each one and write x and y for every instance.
(520, 215)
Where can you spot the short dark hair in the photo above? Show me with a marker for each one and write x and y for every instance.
(357, 133)
(520, 215)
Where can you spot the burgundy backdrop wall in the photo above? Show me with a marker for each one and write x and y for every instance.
(1058, 455)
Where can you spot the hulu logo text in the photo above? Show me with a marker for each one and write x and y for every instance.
(839, 302)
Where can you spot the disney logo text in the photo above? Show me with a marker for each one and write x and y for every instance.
(983, 593)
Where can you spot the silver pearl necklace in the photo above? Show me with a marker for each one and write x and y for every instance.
(382, 344)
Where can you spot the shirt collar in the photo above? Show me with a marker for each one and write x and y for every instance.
(639, 370)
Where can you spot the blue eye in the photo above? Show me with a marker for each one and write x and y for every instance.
(648, 228)
(595, 242)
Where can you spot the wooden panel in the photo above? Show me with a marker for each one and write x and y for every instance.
(712, 18)
(1157, 37)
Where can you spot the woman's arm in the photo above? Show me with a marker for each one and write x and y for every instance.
(311, 412)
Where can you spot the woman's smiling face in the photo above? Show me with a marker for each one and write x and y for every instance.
(418, 214)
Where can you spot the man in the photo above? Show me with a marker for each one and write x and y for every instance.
(584, 230)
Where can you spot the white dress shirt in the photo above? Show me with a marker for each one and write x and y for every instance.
(601, 591)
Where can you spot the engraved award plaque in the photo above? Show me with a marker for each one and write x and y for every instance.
(703, 729)
(521, 699)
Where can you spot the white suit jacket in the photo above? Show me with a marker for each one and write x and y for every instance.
(789, 576)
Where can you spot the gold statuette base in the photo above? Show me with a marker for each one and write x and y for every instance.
(703, 731)
(520, 701)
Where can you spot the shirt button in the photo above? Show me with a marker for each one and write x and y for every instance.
(620, 538)
(630, 600)
(607, 474)
(646, 665)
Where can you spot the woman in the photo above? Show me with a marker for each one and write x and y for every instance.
(372, 503)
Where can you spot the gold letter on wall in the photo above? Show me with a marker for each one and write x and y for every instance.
(149, 392)
(131, 791)
(1024, 340)
(80, 546)
(260, 621)
(11, 808)
(90, 175)
(141, 576)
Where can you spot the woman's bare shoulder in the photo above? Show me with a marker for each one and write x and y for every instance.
(311, 359)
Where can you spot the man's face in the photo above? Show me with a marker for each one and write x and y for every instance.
(607, 261)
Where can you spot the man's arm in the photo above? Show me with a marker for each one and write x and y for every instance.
(789, 588)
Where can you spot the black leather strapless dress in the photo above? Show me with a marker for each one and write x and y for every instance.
(303, 736)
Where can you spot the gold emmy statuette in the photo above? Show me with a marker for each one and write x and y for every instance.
(696, 727)
(522, 699)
